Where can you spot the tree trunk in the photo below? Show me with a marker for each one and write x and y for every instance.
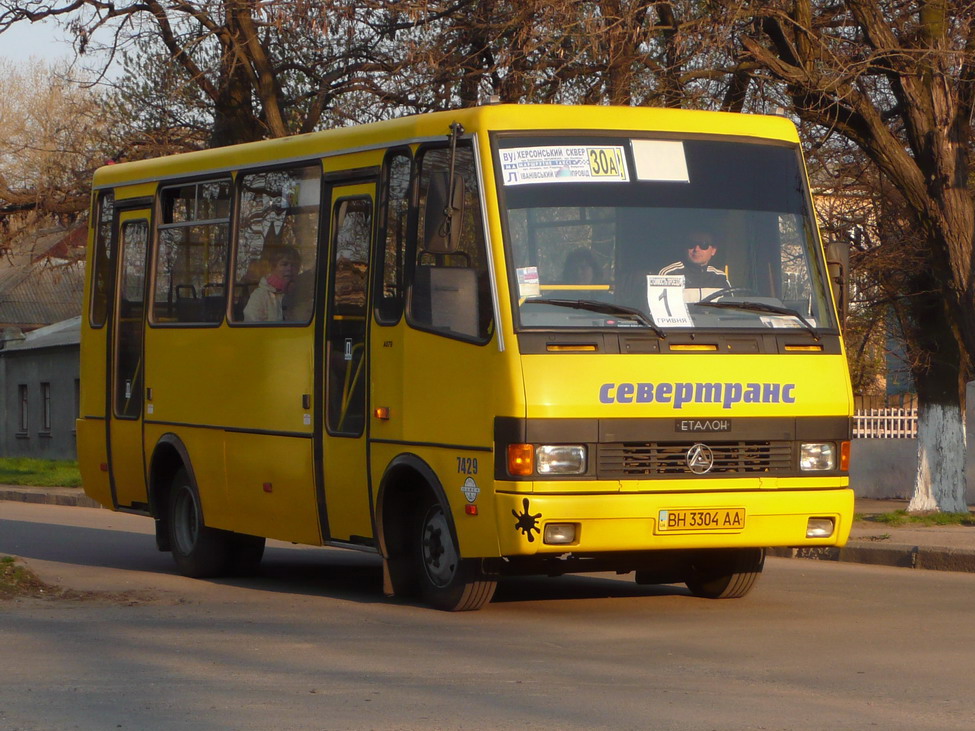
(234, 120)
(940, 369)
(941, 449)
(233, 117)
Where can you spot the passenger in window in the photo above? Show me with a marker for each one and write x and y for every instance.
(266, 302)
(696, 266)
(581, 267)
(299, 299)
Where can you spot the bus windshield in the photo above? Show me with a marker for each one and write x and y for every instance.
(699, 233)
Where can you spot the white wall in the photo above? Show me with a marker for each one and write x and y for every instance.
(885, 468)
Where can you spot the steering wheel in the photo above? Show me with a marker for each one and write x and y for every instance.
(726, 291)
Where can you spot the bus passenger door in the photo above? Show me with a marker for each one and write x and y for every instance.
(346, 366)
(127, 375)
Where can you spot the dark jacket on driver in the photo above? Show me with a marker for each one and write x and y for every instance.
(697, 276)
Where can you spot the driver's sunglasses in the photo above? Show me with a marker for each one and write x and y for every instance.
(702, 247)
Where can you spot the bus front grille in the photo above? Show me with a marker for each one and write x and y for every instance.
(670, 459)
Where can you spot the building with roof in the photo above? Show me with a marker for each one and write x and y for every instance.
(41, 282)
(39, 391)
(42, 278)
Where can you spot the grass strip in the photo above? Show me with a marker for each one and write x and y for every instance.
(902, 518)
(39, 472)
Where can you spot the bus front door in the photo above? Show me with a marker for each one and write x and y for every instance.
(127, 375)
(346, 367)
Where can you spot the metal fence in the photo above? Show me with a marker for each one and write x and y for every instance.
(885, 423)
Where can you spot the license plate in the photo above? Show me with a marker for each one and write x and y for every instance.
(704, 519)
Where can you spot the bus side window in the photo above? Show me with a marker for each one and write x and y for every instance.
(129, 322)
(278, 222)
(347, 317)
(103, 276)
(394, 207)
(450, 292)
(191, 258)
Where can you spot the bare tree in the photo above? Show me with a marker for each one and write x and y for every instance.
(459, 52)
(264, 69)
(53, 134)
(898, 80)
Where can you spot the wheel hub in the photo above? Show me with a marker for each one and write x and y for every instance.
(439, 554)
(187, 521)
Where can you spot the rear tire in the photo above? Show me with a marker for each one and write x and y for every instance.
(199, 551)
(725, 574)
(447, 581)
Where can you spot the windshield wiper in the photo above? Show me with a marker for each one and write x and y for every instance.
(604, 308)
(763, 307)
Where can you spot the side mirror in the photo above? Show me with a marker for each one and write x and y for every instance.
(838, 267)
(443, 215)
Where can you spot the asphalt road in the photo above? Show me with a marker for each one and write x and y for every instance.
(312, 644)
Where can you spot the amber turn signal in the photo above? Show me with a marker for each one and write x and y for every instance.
(521, 459)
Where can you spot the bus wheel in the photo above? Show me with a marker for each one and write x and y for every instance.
(447, 581)
(199, 551)
(725, 574)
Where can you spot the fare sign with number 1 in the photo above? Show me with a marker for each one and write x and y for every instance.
(665, 298)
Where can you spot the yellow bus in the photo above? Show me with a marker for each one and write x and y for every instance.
(495, 341)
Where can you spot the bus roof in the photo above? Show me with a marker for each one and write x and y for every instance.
(435, 125)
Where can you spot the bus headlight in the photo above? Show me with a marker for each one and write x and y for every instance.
(817, 457)
(560, 459)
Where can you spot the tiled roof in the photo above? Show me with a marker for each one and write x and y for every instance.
(38, 284)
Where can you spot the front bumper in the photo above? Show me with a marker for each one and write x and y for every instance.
(627, 522)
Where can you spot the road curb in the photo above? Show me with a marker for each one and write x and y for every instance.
(72, 498)
(900, 555)
(946, 559)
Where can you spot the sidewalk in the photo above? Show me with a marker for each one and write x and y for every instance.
(939, 548)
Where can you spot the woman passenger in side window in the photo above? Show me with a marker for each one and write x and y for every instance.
(265, 303)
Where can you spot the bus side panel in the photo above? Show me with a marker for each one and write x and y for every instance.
(466, 479)
(252, 483)
(91, 429)
(253, 378)
(270, 488)
(463, 473)
(92, 454)
(236, 398)
(452, 392)
(205, 450)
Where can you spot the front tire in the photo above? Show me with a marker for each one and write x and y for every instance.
(725, 574)
(448, 581)
(199, 551)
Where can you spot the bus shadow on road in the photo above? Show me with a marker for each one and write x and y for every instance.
(296, 570)
(325, 572)
(358, 577)
(579, 586)
(338, 578)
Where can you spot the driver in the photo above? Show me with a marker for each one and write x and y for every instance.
(695, 267)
